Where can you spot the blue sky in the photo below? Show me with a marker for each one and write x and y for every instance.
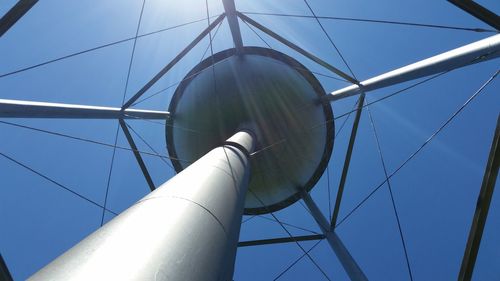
(435, 193)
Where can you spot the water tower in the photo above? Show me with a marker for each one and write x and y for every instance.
(249, 131)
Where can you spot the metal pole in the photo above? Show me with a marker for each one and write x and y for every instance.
(187, 229)
(476, 52)
(482, 208)
(350, 266)
(34, 109)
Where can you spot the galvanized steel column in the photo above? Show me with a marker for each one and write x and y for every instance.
(187, 229)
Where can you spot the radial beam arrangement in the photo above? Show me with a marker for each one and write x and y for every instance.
(174, 61)
(234, 26)
(33, 109)
(479, 51)
(298, 49)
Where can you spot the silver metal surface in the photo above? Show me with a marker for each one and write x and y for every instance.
(187, 229)
(33, 109)
(268, 93)
(476, 52)
(350, 266)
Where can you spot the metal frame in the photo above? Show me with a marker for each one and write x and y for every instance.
(482, 208)
(173, 62)
(347, 161)
(137, 155)
(281, 240)
(479, 12)
(234, 26)
(14, 14)
(4, 271)
(33, 109)
(476, 52)
(348, 262)
(298, 49)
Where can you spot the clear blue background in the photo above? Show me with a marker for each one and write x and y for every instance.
(435, 193)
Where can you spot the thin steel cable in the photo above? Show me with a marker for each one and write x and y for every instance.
(213, 37)
(382, 161)
(88, 140)
(385, 97)
(291, 236)
(297, 260)
(55, 182)
(109, 173)
(176, 83)
(258, 35)
(123, 100)
(288, 224)
(250, 218)
(422, 146)
(377, 21)
(98, 47)
(148, 145)
(330, 39)
(269, 46)
(100, 143)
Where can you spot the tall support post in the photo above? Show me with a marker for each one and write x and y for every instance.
(482, 208)
(14, 14)
(232, 19)
(350, 266)
(187, 229)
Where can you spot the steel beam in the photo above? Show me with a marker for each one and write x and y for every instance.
(4, 271)
(174, 61)
(298, 49)
(280, 240)
(476, 52)
(14, 14)
(33, 109)
(350, 266)
(232, 20)
(479, 12)
(347, 161)
(137, 155)
(482, 208)
(187, 229)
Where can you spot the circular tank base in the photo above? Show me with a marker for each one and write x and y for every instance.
(268, 93)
